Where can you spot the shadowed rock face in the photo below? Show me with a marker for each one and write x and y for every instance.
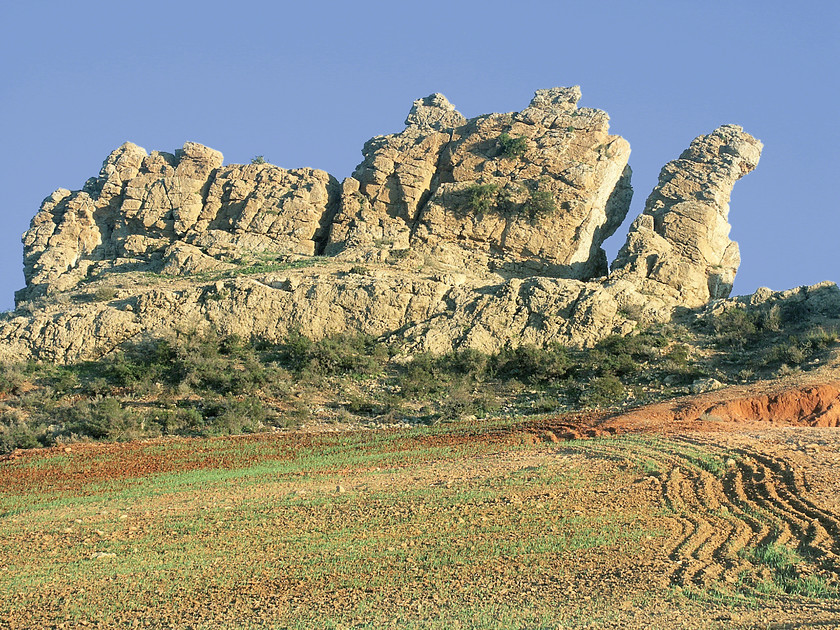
(478, 233)
(679, 247)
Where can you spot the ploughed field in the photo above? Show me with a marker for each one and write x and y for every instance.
(478, 524)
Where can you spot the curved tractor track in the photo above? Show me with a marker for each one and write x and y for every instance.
(730, 508)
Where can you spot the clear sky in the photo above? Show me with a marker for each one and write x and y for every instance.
(306, 83)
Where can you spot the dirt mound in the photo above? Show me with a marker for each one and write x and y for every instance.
(816, 406)
(813, 404)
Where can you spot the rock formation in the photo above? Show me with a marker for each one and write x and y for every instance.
(383, 199)
(679, 247)
(453, 233)
(151, 211)
(534, 192)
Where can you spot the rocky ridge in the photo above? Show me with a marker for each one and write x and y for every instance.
(453, 233)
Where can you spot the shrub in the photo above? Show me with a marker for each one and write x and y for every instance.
(819, 338)
(17, 432)
(677, 356)
(734, 328)
(602, 391)
(363, 406)
(467, 362)
(460, 402)
(613, 364)
(223, 365)
(789, 353)
(540, 204)
(482, 197)
(512, 147)
(231, 416)
(772, 319)
(63, 379)
(340, 354)
(422, 376)
(96, 386)
(100, 419)
(618, 355)
(531, 364)
(177, 421)
(638, 346)
(11, 378)
(104, 294)
(204, 362)
(396, 255)
(786, 370)
(258, 159)
(141, 365)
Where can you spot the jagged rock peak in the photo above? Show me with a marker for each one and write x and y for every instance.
(534, 192)
(679, 247)
(559, 99)
(434, 112)
(726, 145)
(142, 204)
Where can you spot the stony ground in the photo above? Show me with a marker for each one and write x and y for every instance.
(703, 524)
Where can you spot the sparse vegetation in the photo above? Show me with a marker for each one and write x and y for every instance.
(481, 198)
(763, 338)
(209, 384)
(258, 159)
(782, 573)
(105, 294)
(602, 391)
(512, 147)
(540, 204)
(460, 520)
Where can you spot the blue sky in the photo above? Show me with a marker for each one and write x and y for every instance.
(307, 84)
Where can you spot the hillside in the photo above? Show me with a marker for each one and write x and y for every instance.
(458, 273)
(244, 396)
(495, 524)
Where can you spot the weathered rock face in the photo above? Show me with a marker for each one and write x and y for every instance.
(142, 209)
(535, 192)
(382, 200)
(477, 233)
(679, 247)
(434, 312)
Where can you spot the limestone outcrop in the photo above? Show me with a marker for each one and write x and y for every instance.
(679, 247)
(453, 233)
(385, 195)
(534, 192)
(143, 209)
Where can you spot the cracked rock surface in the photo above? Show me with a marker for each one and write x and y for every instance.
(453, 233)
(679, 246)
